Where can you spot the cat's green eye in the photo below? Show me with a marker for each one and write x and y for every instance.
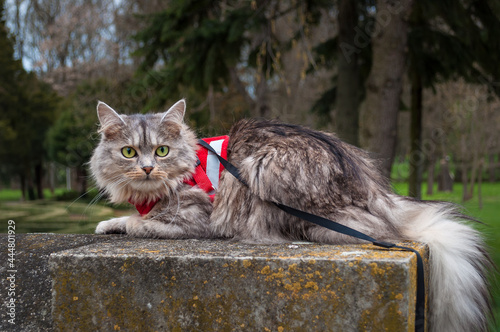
(128, 152)
(162, 151)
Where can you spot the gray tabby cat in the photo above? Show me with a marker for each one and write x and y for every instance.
(146, 158)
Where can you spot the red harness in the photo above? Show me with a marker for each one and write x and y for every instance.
(208, 170)
(206, 174)
(144, 207)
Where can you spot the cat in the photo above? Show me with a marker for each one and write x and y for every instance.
(147, 160)
(129, 166)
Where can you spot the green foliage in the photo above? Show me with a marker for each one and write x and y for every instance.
(195, 47)
(453, 39)
(10, 71)
(73, 195)
(199, 44)
(12, 195)
(70, 141)
(74, 135)
(28, 108)
(28, 120)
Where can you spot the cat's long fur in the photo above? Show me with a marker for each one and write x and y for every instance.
(182, 211)
(299, 167)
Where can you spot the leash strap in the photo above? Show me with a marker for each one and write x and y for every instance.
(334, 226)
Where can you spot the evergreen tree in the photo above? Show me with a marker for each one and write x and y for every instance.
(11, 72)
(73, 136)
(28, 108)
(203, 45)
(197, 43)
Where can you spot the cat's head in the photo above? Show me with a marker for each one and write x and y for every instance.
(143, 157)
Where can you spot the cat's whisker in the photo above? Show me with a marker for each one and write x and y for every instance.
(74, 201)
(117, 186)
(95, 200)
(122, 183)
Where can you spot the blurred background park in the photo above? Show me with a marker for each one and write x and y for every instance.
(416, 83)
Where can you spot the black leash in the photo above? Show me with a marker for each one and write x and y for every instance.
(334, 226)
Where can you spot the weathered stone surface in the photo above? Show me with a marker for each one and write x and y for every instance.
(33, 285)
(191, 285)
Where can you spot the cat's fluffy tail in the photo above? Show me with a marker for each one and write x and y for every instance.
(458, 287)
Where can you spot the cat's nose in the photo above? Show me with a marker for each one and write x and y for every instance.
(147, 169)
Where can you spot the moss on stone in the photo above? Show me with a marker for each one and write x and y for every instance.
(218, 285)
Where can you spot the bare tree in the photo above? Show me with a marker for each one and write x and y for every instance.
(69, 41)
(468, 117)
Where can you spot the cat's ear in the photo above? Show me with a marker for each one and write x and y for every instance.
(108, 116)
(111, 122)
(176, 112)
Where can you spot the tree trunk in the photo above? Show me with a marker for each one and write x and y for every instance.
(75, 179)
(29, 184)
(479, 184)
(491, 168)
(68, 179)
(81, 178)
(22, 180)
(52, 177)
(347, 99)
(445, 182)
(19, 31)
(465, 192)
(262, 109)
(416, 156)
(476, 160)
(240, 87)
(384, 83)
(211, 104)
(430, 176)
(458, 173)
(473, 175)
(39, 180)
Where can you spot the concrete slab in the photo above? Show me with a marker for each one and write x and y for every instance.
(31, 285)
(214, 285)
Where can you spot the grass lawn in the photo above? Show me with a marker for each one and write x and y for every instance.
(51, 216)
(15, 195)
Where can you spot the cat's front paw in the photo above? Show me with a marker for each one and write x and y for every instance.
(112, 226)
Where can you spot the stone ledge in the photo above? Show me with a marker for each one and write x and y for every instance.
(113, 282)
(160, 285)
(33, 291)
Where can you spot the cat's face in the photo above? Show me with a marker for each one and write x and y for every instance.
(143, 157)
